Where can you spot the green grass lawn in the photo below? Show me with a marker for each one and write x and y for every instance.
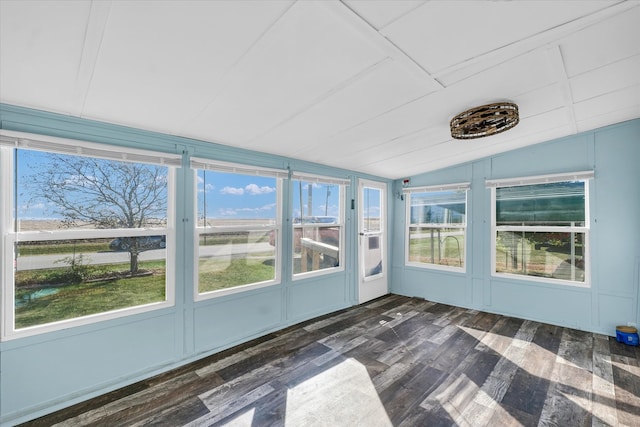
(70, 299)
(83, 299)
(222, 274)
(50, 248)
(235, 237)
(451, 251)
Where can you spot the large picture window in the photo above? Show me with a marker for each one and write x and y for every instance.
(238, 232)
(437, 223)
(541, 227)
(317, 223)
(86, 235)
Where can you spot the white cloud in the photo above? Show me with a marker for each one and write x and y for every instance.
(232, 190)
(254, 190)
(206, 189)
(250, 189)
(234, 212)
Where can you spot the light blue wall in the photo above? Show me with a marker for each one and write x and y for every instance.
(614, 153)
(43, 373)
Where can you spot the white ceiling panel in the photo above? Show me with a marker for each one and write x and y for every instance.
(455, 152)
(384, 87)
(540, 100)
(297, 63)
(540, 106)
(441, 34)
(603, 43)
(40, 51)
(608, 118)
(367, 85)
(431, 138)
(398, 123)
(160, 66)
(504, 82)
(619, 100)
(609, 78)
(381, 13)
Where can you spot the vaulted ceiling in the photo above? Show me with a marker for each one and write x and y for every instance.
(364, 85)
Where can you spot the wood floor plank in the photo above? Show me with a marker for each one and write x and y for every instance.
(604, 393)
(528, 389)
(569, 395)
(626, 375)
(487, 400)
(177, 415)
(393, 361)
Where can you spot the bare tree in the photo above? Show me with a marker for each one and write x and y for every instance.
(105, 194)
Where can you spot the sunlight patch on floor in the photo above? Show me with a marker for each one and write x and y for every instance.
(629, 368)
(341, 395)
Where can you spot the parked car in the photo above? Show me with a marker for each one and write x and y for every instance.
(144, 243)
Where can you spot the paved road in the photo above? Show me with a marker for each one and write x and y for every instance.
(36, 262)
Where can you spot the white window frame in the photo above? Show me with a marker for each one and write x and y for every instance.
(407, 192)
(584, 176)
(10, 140)
(241, 169)
(342, 184)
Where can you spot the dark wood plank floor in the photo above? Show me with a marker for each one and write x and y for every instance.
(396, 361)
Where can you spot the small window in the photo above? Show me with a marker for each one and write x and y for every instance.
(238, 232)
(318, 224)
(541, 230)
(437, 224)
(88, 237)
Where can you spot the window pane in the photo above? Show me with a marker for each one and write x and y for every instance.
(59, 191)
(315, 248)
(372, 199)
(230, 259)
(65, 279)
(70, 277)
(228, 199)
(440, 246)
(372, 255)
(246, 254)
(541, 254)
(561, 203)
(316, 202)
(372, 231)
(316, 226)
(439, 207)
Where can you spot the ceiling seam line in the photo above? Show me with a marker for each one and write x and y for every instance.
(347, 129)
(334, 90)
(557, 63)
(361, 25)
(81, 90)
(580, 24)
(227, 74)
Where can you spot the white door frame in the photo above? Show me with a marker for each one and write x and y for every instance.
(372, 246)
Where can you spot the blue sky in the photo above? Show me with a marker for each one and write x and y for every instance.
(230, 196)
(31, 162)
(236, 196)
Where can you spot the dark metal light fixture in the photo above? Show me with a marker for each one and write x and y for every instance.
(484, 120)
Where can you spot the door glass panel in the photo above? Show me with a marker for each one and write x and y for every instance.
(372, 231)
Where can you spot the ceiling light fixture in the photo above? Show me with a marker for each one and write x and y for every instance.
(484, 120)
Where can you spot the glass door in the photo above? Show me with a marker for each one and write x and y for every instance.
(372, 240)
